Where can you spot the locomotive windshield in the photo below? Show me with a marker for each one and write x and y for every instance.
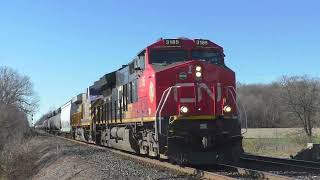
(172, 56)
(209, 56)
(168, 56)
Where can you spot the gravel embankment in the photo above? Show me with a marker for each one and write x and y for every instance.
(63, 159)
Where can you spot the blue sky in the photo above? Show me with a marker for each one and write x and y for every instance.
(64, 46)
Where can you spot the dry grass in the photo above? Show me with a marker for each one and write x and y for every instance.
(277, 147)
(22, 158)
(18, 159)
(271, 147)
(278, 142)
(14, 125)
(16, 155)
(276, 132)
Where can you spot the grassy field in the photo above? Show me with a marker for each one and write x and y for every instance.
(276, 132)
(277, 147)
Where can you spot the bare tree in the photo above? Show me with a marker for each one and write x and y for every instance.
(16, 100)
(262, 107)
(17, 90)
(301, 97)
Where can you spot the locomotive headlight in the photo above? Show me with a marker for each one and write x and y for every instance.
(227, 109)
(198, 68)
(184, 109)
(198, 74)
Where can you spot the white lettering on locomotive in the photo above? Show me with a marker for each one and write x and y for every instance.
(151, 92)
(200, 86)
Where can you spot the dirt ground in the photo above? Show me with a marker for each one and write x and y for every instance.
(58, 158)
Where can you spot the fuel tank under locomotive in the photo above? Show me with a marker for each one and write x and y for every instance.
(121, 138)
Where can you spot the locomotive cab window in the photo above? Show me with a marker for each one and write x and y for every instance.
(209, 56)
(168, 56)
(133, 92)
(131, 67)
(138, 64)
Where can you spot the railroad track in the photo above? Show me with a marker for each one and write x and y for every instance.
(279, 163)
(195, 172)
(226, 172)
(245, 173)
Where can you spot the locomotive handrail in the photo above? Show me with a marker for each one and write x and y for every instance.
(162, 103)
(236, 102)
(165, 100)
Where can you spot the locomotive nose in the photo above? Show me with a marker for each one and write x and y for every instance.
(194, 96)
(190, 72)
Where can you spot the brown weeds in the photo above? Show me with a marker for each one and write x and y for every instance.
(17, 158)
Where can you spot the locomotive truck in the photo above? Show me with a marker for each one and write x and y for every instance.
(175, 100)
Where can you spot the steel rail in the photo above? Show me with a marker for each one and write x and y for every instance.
(256, 174)
(300, 164)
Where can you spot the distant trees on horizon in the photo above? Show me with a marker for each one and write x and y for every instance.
(288, 102)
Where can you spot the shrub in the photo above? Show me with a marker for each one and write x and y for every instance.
(14, 124)
(17, 159)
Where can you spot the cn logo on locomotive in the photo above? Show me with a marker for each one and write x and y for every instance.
(200, 87)
(183, 76)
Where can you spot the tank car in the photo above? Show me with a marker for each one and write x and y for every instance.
(45, 125)
(175, 100)
(54, 121)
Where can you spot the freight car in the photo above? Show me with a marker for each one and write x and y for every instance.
(54, 121)
(59, 120)
(175, 100)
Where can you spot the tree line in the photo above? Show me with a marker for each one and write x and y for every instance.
(288, 102)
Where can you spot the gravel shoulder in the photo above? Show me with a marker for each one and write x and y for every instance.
(63, 159)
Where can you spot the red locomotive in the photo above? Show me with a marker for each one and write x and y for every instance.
(176, 100)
